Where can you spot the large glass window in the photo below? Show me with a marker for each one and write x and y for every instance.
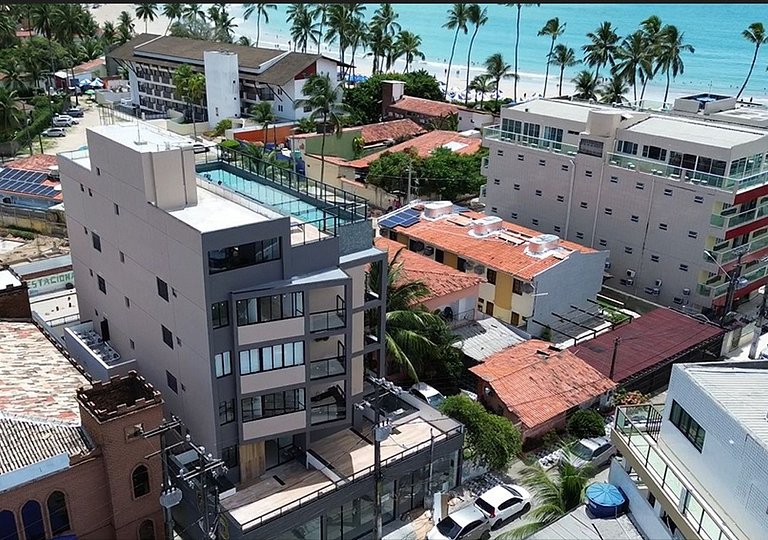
(654, 152)
(220, 314)
(273, 357)
(270, 308)
(226, 412)
(233, 257)
(687, 426)
(223, 364)
(8, 529)
(279, 451)
(626, 147)
(531, 131)
(555, 135)
(57, 512)
(32, 521)
(275, 404)
(329, 404)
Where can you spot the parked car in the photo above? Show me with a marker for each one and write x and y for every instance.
(75, 112)
(427, 394)
(596, 452)
(503, 502)
(466, 524)
(68, 117)
(199, 148)
(54, 132)
(59, 121)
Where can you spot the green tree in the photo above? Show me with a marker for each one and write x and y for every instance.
(306, 125)
(108, 34)
(651, 30)
(7, 30)
(323, 99)
(492, 439)
(563, 57)
(245, 41)
(671, 48)
(358, 37)
(586, 423)
(190, 87)
(477, 17)
(586, 85)
(556, 494)
(223, 25)
(193, 12)
(602, 47)
(14, 75)
(457, 21)
(408, 44)
(553, 29)
(613, 91)
(125, 27)
(634, 60)
(304, 29)
(146, 12)
(262, 10)
(11, 117)
(320, 14)
(483, 84)
(498, 69)
(364, 99)
(517, 39)
(756, 35)
(262, 113)
(174, 13)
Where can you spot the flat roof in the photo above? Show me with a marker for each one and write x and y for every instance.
(142, 137)
(739, 388)
(557, 108)
(651, 339)
(43, 265)
(690, 130)
(579, 525)
(7, 279)
(214, 212)
(36, 380)
(485, 337)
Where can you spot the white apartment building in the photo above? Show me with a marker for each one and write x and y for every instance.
(661, 191)
(698, 468)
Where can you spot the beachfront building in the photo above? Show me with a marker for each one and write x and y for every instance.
(242, 291)
(697, 468)
(237, 76)
(531, 279)
(674, 196)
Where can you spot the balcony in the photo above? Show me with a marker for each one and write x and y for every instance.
(328, 310)
(745, 280)
(495, 133)
(96, 355)
(328, 365)
(731, 220)
(724, 256)
(635, 433)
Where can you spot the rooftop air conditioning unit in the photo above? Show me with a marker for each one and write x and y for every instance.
(655, 291)
(627, 282)
(428, 251)
(469, 266)
(479, 269)
(649, 290)
(417, 246)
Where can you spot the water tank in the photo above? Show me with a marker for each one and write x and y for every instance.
(434, 210)
(543, 243)
(485, 226)
(53, 172)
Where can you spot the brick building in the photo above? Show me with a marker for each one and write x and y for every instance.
(72, 461)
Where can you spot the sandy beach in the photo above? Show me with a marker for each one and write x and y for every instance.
(529, 84)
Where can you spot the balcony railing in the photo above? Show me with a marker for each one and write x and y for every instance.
(495, 133)
(638, 427)
(331, 319)
(725, 256)
(328, 367)
(734, 220)
(749, 277)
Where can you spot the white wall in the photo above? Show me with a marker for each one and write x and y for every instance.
(222, 85)
(643, 515)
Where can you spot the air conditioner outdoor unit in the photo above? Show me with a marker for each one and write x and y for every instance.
(649, 290)
(479, 269)
(630, 273)
(428, 251)
(677, 300)
(627, 282)
(658, 283)
(656, 291)
(607, 265)
(686, 292)
(469, 266)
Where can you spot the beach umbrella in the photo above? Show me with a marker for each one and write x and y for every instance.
(89, 92)
(85, 82)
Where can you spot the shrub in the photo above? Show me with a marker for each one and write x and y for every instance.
(222, 126)
(586, 423)
(634, 397)
(229, 143)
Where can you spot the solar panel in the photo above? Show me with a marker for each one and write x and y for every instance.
(26, 188)
(406, 218)
(22, 175)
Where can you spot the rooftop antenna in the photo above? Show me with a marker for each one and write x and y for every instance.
(138, 140)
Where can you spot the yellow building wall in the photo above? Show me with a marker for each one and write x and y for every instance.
(449, 259)
(503, 296)
(403, 239)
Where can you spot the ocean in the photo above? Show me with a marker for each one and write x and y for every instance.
(719, 64)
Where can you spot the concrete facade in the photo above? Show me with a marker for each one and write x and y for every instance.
(657, 190)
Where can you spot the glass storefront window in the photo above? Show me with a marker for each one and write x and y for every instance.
(308, 531)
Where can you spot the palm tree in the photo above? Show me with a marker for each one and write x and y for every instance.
(174, 12)
(483, 84)
(671, 46)
(563, 56)
(477, 17)
(756, 35)
(193, 12)
(108, 34)
(10, 114)
(613, 91)
(457, 20)
(498, 69)
(125, 27)
(407, 44)
(262, 114)
(517, 40)
(320, 12)
(378, 43)
(634, 60)
(190, 87)
(557, 494)
(33, 67)
(586, 85)
(245, 41)
(7, 30)
(385, 17)
(304, 30)
(43, 19)
(91, 49)
(554, 30)
(324, 100)
(602, 49)
(261, 10)
(69, 23)
(223, 25)
(358, 37)
(146, 12)
(13, 72)
(651, 30)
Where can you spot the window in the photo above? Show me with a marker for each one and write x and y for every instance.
(634, 219)
(58, 515)
(279, 108)
(220, 314)
(626, 147)
(614, 179)
(496, 181)
(226, 412)
(85, 230)
(222, 364)
(588, 174)
(491, 276)
(96, 240)
(308, 108)
(132, 344)
(628, 250)
(698, 199)
(140, 480)
(162, 289)
(98, 171)
(270, 308)
(608, 211)
(538, 193)
(229, 456)
(101, 283)
(461, 264)
(117, 209)
(127, 302)
(8, 528)
(513, 215)
(171, 381)
(273, 357)
(90, 193)
(687, 426)
(531, 131)
(564, 167)
(654, 152)
(667, 192)
(580, 235)
(655, 258)
(82, 188)
(684, 267)
(663, 226)
(516, 187)
(517, 286)
(233, 257)
(147, 530)
(557, 228)
(167, 336)
(535, 221)
(439, 255)
(542, 162)
(591, 147)
(122, 257)
(583, 204)
(494, 210)
(693, 234)
(560, 198)
(270, 405)
(603, 242)
(499, 152)
(520, 157)
(640, 186)
(32, 521)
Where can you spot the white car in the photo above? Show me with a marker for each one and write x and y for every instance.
(503, 502)
(66, 118)
(54, 132)
(427, 394)
(466, 524)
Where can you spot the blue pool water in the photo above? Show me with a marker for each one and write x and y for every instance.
(275, 198)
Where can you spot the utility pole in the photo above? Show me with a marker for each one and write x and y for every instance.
(616, 343)
(735, 275)
(170, 496)
(758, 325)
(410, 174)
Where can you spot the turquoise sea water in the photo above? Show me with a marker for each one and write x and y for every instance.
(720, 62)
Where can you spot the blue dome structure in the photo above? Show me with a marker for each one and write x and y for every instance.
(605, 500)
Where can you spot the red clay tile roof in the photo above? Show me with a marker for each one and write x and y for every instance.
(491, 251)
(39, 163)
(424, 107)
(424, 145)
(442, 280)
(395, 129)
(91, 65)
(537, 383)
(652, 339)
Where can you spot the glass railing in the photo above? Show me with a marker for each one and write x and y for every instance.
(327, 367)
(638, 427)
(331, 319)
(496, 134)
(734, 220)
(721, 289)
(732, 254)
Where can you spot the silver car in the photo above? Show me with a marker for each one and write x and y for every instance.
(466, 524)
(54, 132)
(596, 451)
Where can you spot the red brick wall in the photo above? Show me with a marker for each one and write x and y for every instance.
(14, 304)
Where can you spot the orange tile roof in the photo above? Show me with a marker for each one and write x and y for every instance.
(538, 383)
(39, 163)
(442, 280)
(424, 107)
(89, 66)
(395, 129)
(492, 251)
(425, 144)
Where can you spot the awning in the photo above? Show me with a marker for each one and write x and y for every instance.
(61, 75)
